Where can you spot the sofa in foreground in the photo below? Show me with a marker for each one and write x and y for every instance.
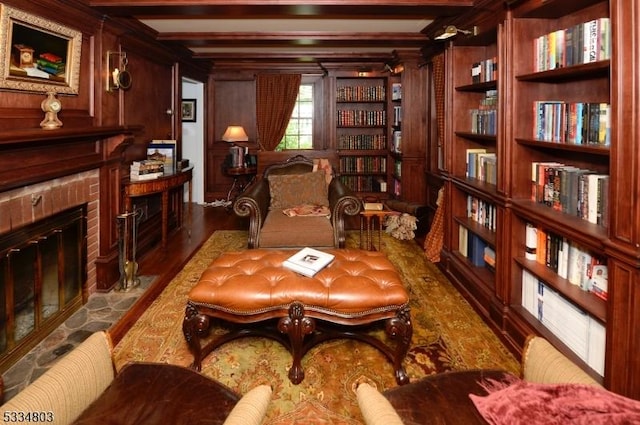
(83, 388)
(551, 389)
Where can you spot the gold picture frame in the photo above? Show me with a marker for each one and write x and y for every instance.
(38, 55)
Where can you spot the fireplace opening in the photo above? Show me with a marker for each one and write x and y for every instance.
(42, 274)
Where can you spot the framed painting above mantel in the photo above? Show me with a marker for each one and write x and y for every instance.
(38, 55)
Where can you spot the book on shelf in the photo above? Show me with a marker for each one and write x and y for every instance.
(485, 70)
(463, 241)
(308, 261)
(396, 91)
(580, 332)
(373, 206)
(146, 169)
(472, 160)
(576, 123)
(567, 259)
(585, 42)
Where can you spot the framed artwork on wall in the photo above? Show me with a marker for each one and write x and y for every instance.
(38, 55)
(189, 110)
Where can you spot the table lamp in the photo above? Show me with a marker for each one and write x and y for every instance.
(235, 133)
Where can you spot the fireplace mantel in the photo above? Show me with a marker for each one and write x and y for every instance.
(35, 155)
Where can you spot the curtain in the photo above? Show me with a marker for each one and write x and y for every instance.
(434, 240)
(276, 96)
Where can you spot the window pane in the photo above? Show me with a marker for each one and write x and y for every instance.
(299, 133)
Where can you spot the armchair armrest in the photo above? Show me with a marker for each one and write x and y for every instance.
(254, 204)
(542, 363)
(342, 203)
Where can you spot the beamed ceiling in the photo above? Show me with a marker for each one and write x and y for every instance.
(320, 31)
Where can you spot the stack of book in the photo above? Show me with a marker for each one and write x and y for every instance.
(146, 169)
(51, 64)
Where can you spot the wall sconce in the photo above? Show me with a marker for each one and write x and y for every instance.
(118, 77)
(452, 31)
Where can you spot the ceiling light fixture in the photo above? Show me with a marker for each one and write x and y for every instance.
(452, 31)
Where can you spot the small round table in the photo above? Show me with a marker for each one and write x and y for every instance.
(367, 226)
(242, 177)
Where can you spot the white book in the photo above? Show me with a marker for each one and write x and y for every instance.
(308, 261)
(531, 241)
(596, 346)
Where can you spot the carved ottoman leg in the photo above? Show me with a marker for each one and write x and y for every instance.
(194, 326)
(296, 326)
(401, 329)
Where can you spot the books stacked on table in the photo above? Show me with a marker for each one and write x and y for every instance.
(146, 169)
(308, 261)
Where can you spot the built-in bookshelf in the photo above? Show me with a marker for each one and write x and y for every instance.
(561, 193)
(473, 164)
(362, 133)
(565, 148)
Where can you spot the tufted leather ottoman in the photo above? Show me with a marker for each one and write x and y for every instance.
(255, 296)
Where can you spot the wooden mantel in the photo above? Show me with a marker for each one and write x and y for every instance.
(35, 155)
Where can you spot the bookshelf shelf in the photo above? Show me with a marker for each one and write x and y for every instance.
(588, 302)
(592, 149)
(585, 71)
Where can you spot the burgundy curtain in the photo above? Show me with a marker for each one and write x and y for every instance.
(434, 240)
(276, 96)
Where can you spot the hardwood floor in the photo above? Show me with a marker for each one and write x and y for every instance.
(166, 263)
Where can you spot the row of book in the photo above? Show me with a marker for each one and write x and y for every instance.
(484, 71)
(475, 249)
(362, 141)
(364, 183)
(146, 169)
(482, 212)
(397, 169)
(361, 118)
(567, 259)
(396, 91)
(363, 164)
(361, 94)
(481, 165)
(484, 119)
(577, 123)
(582, 43)
(579, 192)
(396, 142)
(583, 334)
(397, 116)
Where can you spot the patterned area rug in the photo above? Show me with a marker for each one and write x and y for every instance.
(448, 335)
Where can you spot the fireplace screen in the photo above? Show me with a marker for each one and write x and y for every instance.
(42, 272)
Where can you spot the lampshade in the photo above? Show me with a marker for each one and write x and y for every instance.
(235, 133)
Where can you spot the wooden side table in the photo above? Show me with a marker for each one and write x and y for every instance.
(163, 185)
(368, 220)
(242, 177)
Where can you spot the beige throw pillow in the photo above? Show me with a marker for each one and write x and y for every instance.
(291, 190)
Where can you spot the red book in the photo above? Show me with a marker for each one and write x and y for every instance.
(51, 57)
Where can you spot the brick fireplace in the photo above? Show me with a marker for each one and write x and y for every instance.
(32, 203)
(47, 177)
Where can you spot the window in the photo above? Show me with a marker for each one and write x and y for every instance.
(299, 133)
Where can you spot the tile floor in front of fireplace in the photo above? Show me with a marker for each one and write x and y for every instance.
(99, 313)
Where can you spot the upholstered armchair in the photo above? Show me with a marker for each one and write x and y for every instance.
(291, 206)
